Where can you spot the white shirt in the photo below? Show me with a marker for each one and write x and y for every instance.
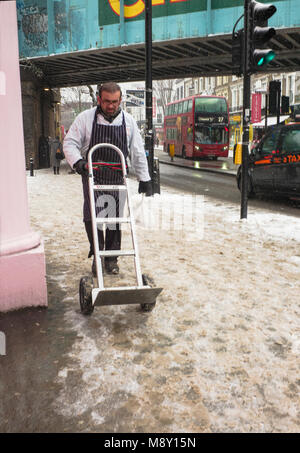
(77, 140)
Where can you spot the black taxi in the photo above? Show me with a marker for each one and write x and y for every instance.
(274, 163)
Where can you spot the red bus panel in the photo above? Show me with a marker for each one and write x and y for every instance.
(198, 126)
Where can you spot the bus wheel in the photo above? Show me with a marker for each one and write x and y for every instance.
(183, 152)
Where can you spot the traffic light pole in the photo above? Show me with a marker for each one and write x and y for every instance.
(149, 143)
(255, 56)
(278, 104)
(266, 115)
(246, 114)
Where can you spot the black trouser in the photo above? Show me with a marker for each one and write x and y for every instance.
(112, 239)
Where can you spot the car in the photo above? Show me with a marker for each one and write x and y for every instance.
(274, 163)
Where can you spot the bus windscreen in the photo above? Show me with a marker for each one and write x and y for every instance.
(211, 135)
(210, 105)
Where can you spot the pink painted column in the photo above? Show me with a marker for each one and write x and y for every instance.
(22, 258)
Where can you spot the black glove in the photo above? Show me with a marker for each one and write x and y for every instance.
(81, 167)
(146, 187)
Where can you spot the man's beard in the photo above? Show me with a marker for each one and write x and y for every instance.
(106, 116)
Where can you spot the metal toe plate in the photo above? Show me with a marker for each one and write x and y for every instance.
(126, 296)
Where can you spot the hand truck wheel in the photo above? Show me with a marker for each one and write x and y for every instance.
(85, 295)
(147, 281)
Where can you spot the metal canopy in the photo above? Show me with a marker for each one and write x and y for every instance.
(206, 56)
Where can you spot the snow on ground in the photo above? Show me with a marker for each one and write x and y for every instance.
(220, 351)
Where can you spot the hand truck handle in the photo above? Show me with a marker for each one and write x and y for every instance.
(107, 145)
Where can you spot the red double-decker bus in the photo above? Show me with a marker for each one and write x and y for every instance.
(197, 126)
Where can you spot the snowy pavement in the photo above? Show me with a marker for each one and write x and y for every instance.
(220, 351)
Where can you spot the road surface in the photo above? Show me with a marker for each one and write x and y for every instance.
(218, 186)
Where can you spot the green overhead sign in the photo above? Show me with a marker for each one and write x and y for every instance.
(109, 10)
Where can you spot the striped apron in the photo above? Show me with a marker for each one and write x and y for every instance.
(108, 203)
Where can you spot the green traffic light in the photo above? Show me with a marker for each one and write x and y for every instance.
(260, 34)
(264, 57)
(270, 56)
(260, 62)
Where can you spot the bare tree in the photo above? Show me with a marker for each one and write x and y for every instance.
(164, 90)
(92, 94)
(74, 100)
(78, 98)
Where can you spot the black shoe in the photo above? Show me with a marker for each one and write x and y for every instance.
(111, 267)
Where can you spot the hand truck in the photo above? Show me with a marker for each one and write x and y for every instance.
(92, 291)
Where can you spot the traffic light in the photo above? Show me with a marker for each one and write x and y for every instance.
(259, 35)
(274, 97)
(237, 52)
(285, 105)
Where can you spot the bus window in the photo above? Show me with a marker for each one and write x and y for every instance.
(176, 108)
(167, 110)
(190, 105)
(211, 105)
(180, 107)
(210, 135)
(185, 107)
(190, 133)
(170, 134)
